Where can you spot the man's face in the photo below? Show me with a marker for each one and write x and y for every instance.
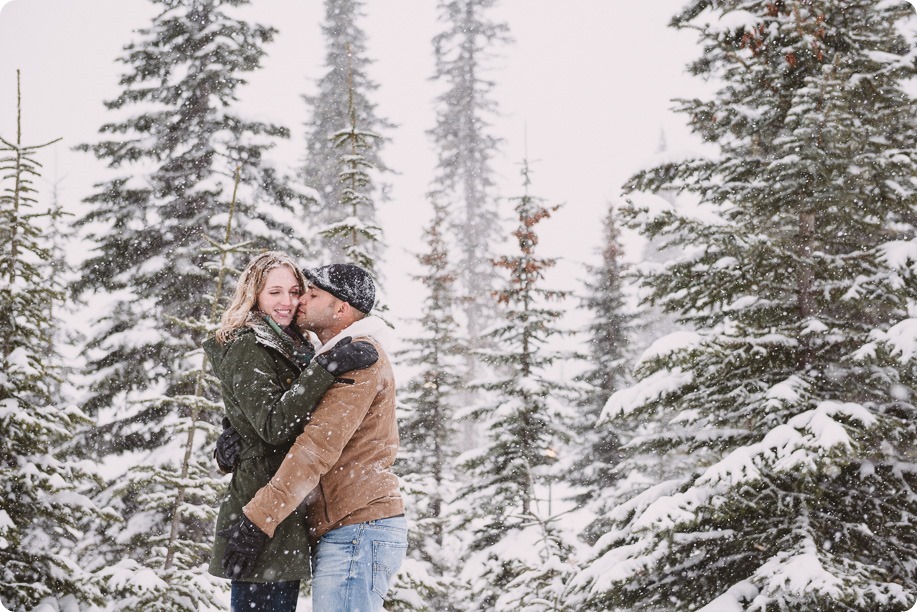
(317, 308)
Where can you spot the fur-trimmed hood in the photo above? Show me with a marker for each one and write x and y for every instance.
(371, 326)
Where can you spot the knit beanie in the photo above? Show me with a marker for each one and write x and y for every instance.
(346, 282)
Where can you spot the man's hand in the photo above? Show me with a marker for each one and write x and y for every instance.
(302, 358)
(347, 356)
(244, 542)
(229, 446)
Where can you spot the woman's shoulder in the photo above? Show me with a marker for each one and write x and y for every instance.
(241, 343)
(244, 339)
(240, 333)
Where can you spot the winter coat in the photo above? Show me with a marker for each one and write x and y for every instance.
(344, 455)
(267, 400)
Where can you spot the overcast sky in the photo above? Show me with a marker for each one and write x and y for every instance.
(589, 80)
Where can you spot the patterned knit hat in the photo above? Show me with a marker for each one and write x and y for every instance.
(346, 282)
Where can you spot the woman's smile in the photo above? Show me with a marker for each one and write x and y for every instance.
(279, 298)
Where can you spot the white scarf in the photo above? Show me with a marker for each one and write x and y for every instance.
(374, 327)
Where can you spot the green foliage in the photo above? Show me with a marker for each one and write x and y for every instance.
(344, 143)
(157, 558)
(428, 433)
(26, 289)
(609, 336)
(43, 503)
(170, 505)
(525, 414)
(167, 247)
(357, 235)
(174, 155)
(465, 146)
(779, 433)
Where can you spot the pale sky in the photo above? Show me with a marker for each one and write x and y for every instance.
(589, 80)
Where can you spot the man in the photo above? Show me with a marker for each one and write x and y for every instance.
(341, 463)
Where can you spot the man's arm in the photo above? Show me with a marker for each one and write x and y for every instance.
(316, 450)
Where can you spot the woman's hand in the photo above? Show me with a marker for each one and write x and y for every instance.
(229, 446)
(244, 542)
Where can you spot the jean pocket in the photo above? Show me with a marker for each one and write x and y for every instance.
(387, 559)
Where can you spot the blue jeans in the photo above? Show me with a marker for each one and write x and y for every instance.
(353, 566)
(264, 596)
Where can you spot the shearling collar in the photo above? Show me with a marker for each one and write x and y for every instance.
(374, 327)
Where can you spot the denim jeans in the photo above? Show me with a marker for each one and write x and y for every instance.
(353, 566)
(264, 596)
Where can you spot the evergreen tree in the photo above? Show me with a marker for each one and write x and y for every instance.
(465, 149)
(790, 411)
(342, 102)
(527, 420)
(173, 157)
(172, 152)
(608, 335)
(58, 232)
(181, 493)
(653, 321)
(356, 235)
(427, 430)
(43, 506)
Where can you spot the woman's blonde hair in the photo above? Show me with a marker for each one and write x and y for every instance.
(251, 283)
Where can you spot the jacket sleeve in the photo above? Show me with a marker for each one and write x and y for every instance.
(276, 413)
(316, 450)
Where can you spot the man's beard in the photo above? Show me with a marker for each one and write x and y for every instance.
(301, 323)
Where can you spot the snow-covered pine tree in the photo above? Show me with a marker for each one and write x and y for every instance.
(172, 151)
(654, 322)
(342, 101)
(427, 428)
(43, 504)
(357, 237)
(517, 559)
(465, 148)
(176, 486)
(791, 408)
(608, 335)
(58, 232)
(171, 159)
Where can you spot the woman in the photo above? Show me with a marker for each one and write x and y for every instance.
(269, 390)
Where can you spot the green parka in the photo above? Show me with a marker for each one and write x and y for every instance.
(268, 400)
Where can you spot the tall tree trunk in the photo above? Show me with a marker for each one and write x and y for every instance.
(805, 277)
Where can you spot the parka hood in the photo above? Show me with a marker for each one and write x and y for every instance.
(215, 352)
(263, 335)
(373, 327)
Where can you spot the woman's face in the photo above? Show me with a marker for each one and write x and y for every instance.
(280, 296)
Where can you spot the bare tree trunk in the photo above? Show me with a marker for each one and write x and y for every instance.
(805, 277)
(199, 384)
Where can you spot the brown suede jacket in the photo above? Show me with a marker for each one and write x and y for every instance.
(342, 460)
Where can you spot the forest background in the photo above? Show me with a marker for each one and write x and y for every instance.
(582, 98)
(580, 80)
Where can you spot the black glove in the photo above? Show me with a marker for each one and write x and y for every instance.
(302, 358)
(244, 542)
(347, 356)
(229, 445)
